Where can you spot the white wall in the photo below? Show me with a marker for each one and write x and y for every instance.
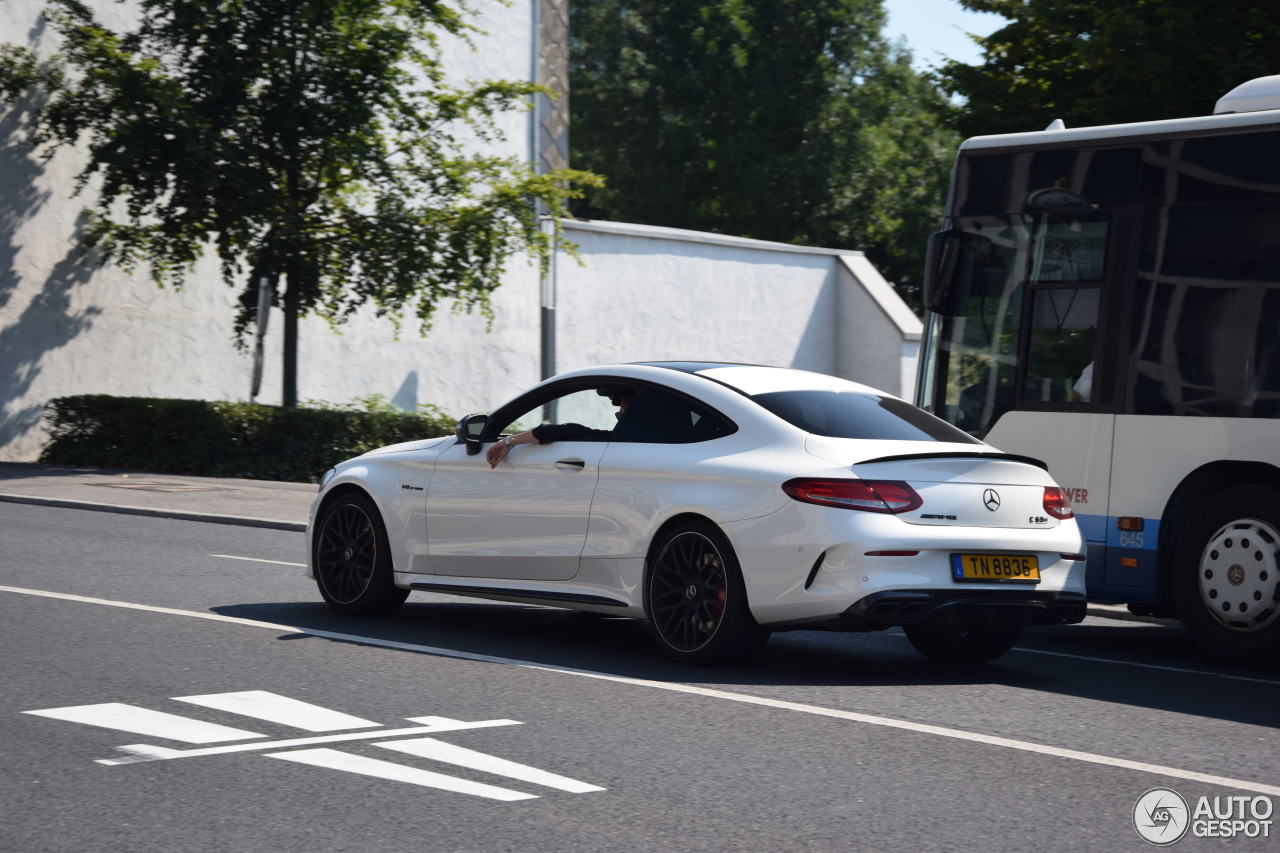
(641, 293)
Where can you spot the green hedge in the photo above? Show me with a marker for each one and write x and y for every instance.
(218, 439)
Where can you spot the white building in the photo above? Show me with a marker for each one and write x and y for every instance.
(634, 293)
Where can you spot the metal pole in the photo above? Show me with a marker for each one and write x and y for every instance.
(547, 340)
(549, 304)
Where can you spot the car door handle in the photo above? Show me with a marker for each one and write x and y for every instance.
(571, 464)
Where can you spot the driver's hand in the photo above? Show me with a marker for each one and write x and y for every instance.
(496, 453)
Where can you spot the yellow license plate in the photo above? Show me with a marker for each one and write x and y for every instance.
(995, 568)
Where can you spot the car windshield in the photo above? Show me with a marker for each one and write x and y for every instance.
(849, 414)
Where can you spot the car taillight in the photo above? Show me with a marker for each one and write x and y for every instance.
(1055, 503)
(892, 496)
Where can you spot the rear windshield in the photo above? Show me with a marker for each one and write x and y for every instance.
(847, 414)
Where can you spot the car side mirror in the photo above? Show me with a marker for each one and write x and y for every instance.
(469, 431)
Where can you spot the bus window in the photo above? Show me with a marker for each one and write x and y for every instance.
(1068, 251)
(1060, 353)
(1207, 312)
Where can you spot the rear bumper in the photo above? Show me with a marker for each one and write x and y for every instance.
(958, 610)
(778, 554)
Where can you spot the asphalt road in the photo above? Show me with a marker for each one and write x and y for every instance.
(825, 742)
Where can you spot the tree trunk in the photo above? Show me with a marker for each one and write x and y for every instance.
(289, 380)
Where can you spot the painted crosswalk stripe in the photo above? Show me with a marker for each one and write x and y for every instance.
(336, 760)
(143, 721)
(438, 750)
(264, 705)
(134, 753)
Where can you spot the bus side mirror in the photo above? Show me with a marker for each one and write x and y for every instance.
(948, 271)
(469, 431)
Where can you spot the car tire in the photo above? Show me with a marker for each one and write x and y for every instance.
(960, 647)
(696, 600)
(352, 560)
(1226, 576)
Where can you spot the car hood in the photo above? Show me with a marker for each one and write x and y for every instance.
(420, 444)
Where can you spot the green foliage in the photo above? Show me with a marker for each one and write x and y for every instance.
(380, 403)
(1091, 63)
(315, 139)
(219, 439)
(786, 120)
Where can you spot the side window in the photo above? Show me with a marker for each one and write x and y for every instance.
(587, 407)
(658, 417)
(1206, 319)
(584, 406)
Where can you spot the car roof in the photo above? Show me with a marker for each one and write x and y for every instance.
(752, 379)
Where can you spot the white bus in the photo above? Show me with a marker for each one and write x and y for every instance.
(1107, 299)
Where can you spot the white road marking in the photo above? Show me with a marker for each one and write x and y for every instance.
(142, 721)
(275, 708)
(430, 726)
(335, 760)
(263, 705)
(438, 750)
(888, 722)
(259, 560)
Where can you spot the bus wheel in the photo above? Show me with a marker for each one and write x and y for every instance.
(1226, 579)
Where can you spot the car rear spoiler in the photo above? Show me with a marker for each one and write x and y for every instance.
(1007, 457)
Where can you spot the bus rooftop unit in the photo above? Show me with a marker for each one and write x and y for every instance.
(1107, 299)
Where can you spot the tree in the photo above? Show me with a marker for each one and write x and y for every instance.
(787, 120)
(1091, 63)
(314, 140)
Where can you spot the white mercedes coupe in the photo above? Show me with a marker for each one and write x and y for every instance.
(723, 502)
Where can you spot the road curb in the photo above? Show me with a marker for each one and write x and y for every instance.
(207, 517)
(1121, 614)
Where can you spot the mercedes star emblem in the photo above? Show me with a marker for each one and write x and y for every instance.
(991, 499)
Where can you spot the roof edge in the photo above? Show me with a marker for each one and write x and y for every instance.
(683, 235)
(885, 297)
(1129, 130)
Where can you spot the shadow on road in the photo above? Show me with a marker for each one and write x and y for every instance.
(1048, 660)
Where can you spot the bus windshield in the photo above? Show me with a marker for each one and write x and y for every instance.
(1038, 270)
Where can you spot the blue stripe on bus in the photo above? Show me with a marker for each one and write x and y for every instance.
(1094, 527)
(1105, 577)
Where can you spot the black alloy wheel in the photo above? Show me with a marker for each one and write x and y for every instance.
(352, 560)
(696, 600)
